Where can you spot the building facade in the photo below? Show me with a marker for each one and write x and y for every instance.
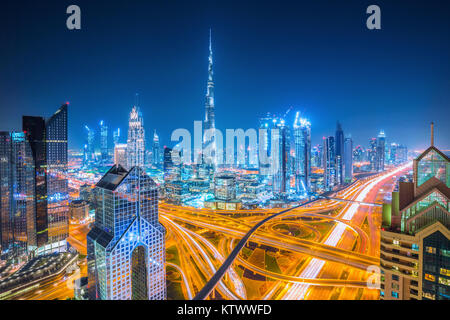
(415, 239)
(339, 154)
(136, 139)
(126, 246)
(17, 197)
(48, 141)
(302, 163)
(348, 159)
(329, 163)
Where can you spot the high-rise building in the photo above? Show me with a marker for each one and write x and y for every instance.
(225, 187)
(155, 149)
(358, 154)
(402, 154)
(210, 121)
(103, 141)
(57, 184)
(126, 249)
(266, 124)
(329, 163)
(17, 197)
(317, 156)
(339, 154)
(34, 128)
(120, 154)
(172, 165)
(280, 179)
(380, 152)
(372, 154)
(348, 159)
(415, 237)
(90, 139)
(302, 145)
(48, 140)
(116, 136)
(136, 139)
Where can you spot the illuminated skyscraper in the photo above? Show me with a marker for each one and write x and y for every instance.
(57, 184)
(302, 144)
(329, 163)
(339, 153)
(17, 204)
(90, 138)
(415, 235)
(266, 123)
(155, 149)
(136, 139)
(372, 154)
(348, 159)
(381, 152)
(103, 141)
(126, 249)
(280, 179)
(116, 136)
(210, 122)
(48, 140)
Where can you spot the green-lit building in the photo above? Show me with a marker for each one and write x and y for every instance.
(415, 239)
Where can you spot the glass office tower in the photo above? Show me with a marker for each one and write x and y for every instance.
(48, 140)
(57, 184)
(17, 204)
(126, 249)
(302, 164)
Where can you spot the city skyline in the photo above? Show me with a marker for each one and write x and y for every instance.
(224, 151)
(242, 64)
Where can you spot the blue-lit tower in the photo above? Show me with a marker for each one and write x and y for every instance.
(126, 249)
(302, 145)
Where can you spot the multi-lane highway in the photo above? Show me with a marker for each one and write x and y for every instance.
(317, 251)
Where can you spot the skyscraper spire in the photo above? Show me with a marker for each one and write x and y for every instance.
(209, 105)
(432, 134)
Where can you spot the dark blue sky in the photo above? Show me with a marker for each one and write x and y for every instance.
(317, 56)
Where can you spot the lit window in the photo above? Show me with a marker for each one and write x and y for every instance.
(444, 281)
(431, 250)
(415, 247)
(445, 272)
(430, 277)
(396, 242)
(394, 294)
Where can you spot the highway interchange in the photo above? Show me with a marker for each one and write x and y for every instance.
(319, 251)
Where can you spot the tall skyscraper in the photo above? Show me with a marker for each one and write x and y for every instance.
(17, 197)
(329, 163)
(48, 140)
(126, 249)
(90, 139)
(372, 154)
(402, 154)
(116, 136)
(103, 141)
(348, 159)
(381, 152)
(210, 122)
(317, 156)
(57, 184)
(155, 149)
(136, 139)
(280, 179)
(415, 235)
(339, 150)
(266, 123)
(302, 145)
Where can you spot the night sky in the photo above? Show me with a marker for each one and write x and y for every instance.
(317, 56)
